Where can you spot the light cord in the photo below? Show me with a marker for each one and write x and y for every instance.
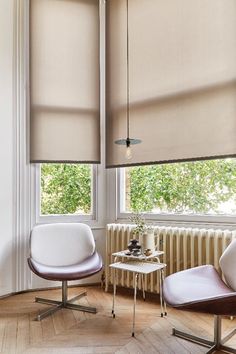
(127, 58)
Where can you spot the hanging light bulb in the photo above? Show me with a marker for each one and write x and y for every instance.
(128, 142)
(128, 153)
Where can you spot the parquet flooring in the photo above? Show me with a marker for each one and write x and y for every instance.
(73, 332)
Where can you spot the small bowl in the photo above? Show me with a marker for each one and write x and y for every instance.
(148, 252)
(136, 252)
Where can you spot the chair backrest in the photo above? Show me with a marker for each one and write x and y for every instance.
(228, 264)
(61, 244)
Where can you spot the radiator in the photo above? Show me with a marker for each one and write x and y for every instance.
(183, 248)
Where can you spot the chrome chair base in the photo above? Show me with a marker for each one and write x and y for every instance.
(216, 344)
(65, 303)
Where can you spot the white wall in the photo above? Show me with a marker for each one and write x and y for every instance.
(6, 147)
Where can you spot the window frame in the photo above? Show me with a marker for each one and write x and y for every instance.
(229, 220)
(98, 218)
(45, 219)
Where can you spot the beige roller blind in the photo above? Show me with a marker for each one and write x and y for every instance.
(64, 81)
(182, 79)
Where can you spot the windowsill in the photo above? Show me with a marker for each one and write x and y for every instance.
(86, 219)
(75, 217)
(214, 220)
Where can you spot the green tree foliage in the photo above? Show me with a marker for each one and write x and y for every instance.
(198, 187)
(65, 189)
(191, 187)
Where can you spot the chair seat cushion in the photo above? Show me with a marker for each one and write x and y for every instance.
(88, 267)
(199, 289)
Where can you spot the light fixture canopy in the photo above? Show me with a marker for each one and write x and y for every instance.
(128, 141)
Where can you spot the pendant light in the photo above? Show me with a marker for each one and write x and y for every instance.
(128, 141)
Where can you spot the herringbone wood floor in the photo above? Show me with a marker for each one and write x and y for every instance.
(72, 332)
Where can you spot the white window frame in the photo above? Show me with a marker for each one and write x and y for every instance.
(44, 219)
(226, 220)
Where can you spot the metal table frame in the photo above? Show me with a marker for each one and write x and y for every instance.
(154, 256)
(137, 268)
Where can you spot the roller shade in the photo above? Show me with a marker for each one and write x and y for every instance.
(182, 58)
(64, 81)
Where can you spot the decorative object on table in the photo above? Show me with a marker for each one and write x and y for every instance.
(128, 141)
(148, 252)
(144, 232)
(140, 227)
(136, 251)
(140, 224)
(128, 253)
(134, 244)
(149, 239)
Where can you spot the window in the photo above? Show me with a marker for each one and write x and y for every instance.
(189, 188)
(66, 189)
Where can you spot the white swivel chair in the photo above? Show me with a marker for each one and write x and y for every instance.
(63, 252)
(201, 289)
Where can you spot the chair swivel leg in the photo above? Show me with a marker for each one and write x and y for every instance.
(213, 346)
(65, 303)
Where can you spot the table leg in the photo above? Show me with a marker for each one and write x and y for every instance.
(163, 276)
(135, 296)
(161, 292)
(161, 296)
(114, 294)
(142, 282)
